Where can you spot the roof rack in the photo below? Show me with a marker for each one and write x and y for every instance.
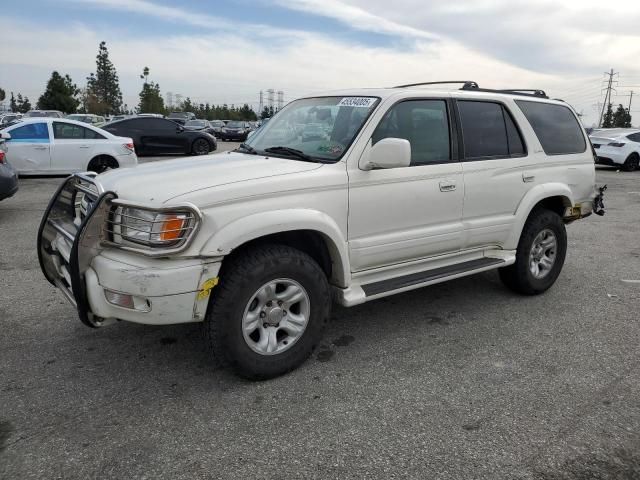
(471, 86)
(466, 83)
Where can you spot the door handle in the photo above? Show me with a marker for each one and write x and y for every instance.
(40, 148)
(84, 146)
(447, 186)
(527, 177)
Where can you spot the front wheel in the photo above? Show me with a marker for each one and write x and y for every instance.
(269, 311)
(540, 256)
(632, 163)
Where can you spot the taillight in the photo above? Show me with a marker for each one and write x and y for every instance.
(2, 155)
(130, 146)
(615, 144)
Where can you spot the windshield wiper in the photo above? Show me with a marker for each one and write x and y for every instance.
(294, 153)
(247, 148)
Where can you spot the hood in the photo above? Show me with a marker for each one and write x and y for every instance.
(158, 182)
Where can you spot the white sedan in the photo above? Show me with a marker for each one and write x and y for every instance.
(55, 146)
(617, 147)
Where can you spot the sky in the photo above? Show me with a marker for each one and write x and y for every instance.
(226, 51)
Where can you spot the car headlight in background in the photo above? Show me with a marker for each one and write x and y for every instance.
(154, 229)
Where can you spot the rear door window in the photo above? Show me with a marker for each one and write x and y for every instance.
(634, 137)
(489, 131)
(556, 127)
(68, 131)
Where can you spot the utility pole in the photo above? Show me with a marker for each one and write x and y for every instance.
(607, 96)
(630, 97)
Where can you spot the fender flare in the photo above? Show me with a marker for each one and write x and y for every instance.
(257, 225)
(529, 201)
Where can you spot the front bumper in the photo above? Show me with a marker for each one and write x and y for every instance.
(75, 257)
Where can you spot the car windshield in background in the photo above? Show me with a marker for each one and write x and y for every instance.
(217, 123)
(321, 128)
(235, 125)
(178, 115)
(195, 123)
(35, 114)
(79, 118)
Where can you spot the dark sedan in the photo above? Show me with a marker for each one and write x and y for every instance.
(235, 131)
(153, 136)
(8, 177)
(199, 126)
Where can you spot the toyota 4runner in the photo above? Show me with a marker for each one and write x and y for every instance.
(398, 188)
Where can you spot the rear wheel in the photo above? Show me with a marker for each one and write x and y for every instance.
(200, 147)
(540, 256)
(632, 163)
(268, 312)
(102, 163)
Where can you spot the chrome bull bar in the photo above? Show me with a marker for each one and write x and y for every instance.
(70, 235)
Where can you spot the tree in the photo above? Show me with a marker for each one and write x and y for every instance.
(23, 105)
(60, 94)
(103, 90)
(621, 118)
(3, 95)
(13, 105)
(267, 112)
(150, 98)
(607, 120)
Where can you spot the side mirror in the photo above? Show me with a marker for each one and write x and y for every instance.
(179, 129)
(5, 136)
(387, 153)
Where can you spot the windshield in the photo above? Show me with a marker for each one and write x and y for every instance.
(217, 123)
(79, 118)
(322, 128)
(195, 123)
(35, 113)
(178, 115)
(235, 124)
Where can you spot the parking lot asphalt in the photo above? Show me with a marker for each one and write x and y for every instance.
(461, 380)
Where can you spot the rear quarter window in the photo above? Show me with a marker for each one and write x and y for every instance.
(556, 127)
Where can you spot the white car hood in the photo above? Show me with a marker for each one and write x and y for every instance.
(158, 182)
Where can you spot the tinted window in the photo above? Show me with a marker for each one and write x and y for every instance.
(516, 146)
(634, 137)
(160, 124)
(67, 131)
(483, 129)
(424, 123)
(556, 127)
(36, 132)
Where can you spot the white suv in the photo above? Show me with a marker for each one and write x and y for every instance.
(400, 188)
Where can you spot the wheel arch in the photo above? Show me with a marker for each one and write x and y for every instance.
(103, 155)
(312, 232)
(555, 197)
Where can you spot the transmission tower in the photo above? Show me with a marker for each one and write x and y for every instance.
(261, 103)
(280, 99)
(607, 95)
(270, 98)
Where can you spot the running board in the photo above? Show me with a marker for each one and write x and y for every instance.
(398, 283)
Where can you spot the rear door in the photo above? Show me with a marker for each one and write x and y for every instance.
(165, 136)
(29, 147)
(496, 178)
(73, 147)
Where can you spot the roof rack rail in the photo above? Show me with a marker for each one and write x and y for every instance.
(466, 84)
(469, 85)
(527, 92)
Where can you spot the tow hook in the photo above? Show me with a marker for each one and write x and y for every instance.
(598, 202)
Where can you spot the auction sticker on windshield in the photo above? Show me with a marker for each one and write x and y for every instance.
(364, 102)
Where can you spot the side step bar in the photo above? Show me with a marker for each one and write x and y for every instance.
(377, 288)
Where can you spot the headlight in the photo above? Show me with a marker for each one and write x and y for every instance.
(152, 228)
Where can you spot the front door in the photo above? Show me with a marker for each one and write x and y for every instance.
(29, 148)
(403, 214)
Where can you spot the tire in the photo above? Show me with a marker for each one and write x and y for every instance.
(200, 146)
(102, 163)
(535, 247)
(631, 163)
(237, 301)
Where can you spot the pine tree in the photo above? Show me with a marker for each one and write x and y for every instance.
(13, 105)
(3, 95)
(607, 120)
(150, 98)
(619, 117)
(23, 105)
(103, 90)
(60, 94)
